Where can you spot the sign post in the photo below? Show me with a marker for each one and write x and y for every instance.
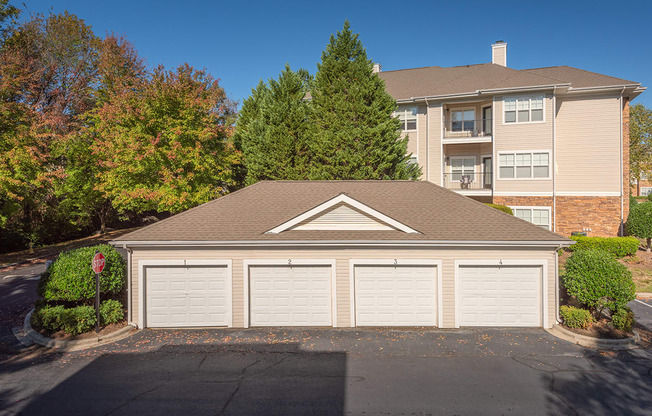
(98, 265)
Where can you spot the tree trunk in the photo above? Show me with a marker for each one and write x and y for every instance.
(649, 245)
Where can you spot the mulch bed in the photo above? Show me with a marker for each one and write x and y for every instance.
(62, 336)
(602, 329)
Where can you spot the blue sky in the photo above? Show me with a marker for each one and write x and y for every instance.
(241, 42)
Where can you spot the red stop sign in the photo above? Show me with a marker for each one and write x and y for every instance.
(98, 262)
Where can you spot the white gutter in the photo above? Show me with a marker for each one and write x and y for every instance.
(605, 87)
(345, 243)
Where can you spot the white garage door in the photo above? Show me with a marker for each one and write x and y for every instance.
(290, 296)
(188, 296)
(499, 296)
(395, 295)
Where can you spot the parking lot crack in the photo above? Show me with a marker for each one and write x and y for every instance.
(239, 381)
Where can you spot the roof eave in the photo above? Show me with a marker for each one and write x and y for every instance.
(478, 93)
(345, 243)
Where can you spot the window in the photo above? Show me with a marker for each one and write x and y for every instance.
(537, 216)
(524, 165)
(645, 190)
(462, 165)
(463, 120)
(523, 109)
(408, 117)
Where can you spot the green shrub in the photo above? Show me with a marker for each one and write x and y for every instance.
(632, 201)
(649, 197)
(575, 317)
(502, 208)
(618, 246)
(598, 280)
(71, 279)
(639, 222)
(111, 311)
(48, 317)
(623, 319)
(77, 320)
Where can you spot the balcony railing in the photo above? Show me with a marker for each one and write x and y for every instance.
(467, 181)
(467, 128)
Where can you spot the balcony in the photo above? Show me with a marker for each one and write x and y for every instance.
(467, 131)
(469, 183)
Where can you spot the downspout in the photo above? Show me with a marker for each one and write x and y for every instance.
(427, 159)
(554, 159)
(129, 300)
(622, 167)
(557, 284)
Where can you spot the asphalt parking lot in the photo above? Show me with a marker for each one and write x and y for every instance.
(330, 371)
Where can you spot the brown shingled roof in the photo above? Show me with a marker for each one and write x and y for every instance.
(438, 214)
(436, 81)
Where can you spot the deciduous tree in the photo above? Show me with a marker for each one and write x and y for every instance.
(640, 142)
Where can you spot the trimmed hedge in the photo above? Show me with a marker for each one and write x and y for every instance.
(111, 311)
(73, 321)
(618, 246)
(623, 319)
(598, 280)
(632, 201)
(639, 222)
(575, 317)
(71, 279)
(503, 208)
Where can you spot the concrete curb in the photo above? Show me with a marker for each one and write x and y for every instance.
(591, 342)
(644, 295)
(75, 345)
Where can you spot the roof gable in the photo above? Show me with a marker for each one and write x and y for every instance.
(342, 213)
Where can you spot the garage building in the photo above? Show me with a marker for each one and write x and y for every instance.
(342, 254)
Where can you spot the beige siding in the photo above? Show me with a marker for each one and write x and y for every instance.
(588, 144)
(434, 153)
(525, 137)
(342, 257)
(417, 139)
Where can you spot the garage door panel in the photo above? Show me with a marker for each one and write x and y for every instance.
(500, 296)
(290, 295)
(187, 296)
(395, 295)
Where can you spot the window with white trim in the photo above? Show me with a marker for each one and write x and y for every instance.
(524, 165)
(537, 216)
(524, 109)
(408, 117)
(461, 165)
(646, 190)
(462, 120)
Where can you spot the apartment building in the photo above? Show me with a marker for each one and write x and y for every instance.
(551, 143)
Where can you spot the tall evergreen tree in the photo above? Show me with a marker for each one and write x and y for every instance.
(355, 135)
(272, 129)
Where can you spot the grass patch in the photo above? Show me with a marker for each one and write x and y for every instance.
(642, 280)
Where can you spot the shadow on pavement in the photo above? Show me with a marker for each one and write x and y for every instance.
(202, 380)
(614, 383)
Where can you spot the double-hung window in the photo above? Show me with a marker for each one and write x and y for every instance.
(646, 190)
(524, 109)
(462, 120)
(408, 117)
(537, 216)
(524, 165)
(461, 165)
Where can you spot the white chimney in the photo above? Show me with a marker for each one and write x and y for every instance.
(499, 53)
(377, 68)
